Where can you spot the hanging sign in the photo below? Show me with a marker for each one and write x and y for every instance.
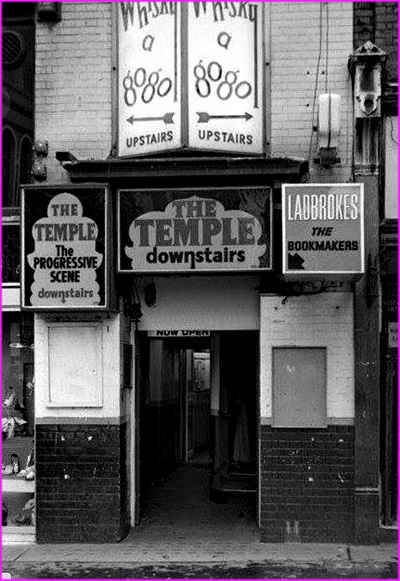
(149, 103)
(323, 229)
(64, 247)
(194, 230)
(190, 75)
(225, 76)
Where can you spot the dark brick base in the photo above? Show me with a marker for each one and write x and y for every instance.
(308, 479)
(81, 483)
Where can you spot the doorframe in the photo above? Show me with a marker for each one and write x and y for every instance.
(258, 433)
(213, 344)
(134, 448)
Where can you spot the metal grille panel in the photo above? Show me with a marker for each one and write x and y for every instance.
(13, 49)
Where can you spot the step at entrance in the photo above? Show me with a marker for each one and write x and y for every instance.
(235, 483)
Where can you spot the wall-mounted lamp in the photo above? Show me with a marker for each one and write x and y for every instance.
(21, 335)
(328, 129)
(132, 307)
(150, 294)
(135, 312)
(41, 150)
(49, 11)
(366, 65)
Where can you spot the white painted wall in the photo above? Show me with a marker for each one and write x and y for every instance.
(208, 303)
(70, 350)
(73, 83)
(324, 320)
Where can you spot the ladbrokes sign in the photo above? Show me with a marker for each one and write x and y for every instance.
(323, 229)
(194, 230)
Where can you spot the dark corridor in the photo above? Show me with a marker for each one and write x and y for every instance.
(179, 507)
(197, 424)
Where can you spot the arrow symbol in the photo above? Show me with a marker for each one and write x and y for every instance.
(167, 118)
(205, 117)
(295, 262)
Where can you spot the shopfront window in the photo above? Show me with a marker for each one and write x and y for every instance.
(18, 462)
(11, 246)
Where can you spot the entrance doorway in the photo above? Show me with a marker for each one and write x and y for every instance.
(197, 407)
(235, 464)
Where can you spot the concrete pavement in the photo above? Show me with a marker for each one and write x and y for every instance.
(214, 550)
(165, 558)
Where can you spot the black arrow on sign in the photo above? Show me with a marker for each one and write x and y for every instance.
(205, 117)
(295, 262)
(167, 118)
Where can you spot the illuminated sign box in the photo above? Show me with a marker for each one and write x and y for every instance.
(190, 74)
(194, 230)
(322, 229)
(65, 256)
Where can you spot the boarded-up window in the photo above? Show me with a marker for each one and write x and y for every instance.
(299, 387)
(75, 360)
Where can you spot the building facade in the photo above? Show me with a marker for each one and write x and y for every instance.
(209, 243)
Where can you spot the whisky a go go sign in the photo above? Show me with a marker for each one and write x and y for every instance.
(190, 74)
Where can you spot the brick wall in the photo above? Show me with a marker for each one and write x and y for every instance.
(307, 475)
(321, 320)
(74, 77)
(307, 478)
(80, 482)
(298, 63)
(386, 35)
(378, 22)
(73, 83)
(364, 23)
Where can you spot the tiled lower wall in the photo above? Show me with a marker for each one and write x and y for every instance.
(307, 484)
(81, 488)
